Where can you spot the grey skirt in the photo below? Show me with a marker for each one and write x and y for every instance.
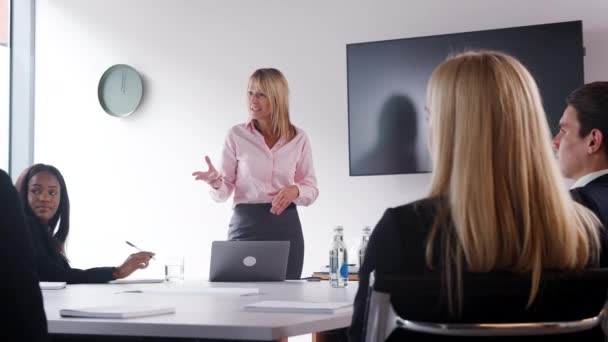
(255, 222)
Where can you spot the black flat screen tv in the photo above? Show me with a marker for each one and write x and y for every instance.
(387, 87)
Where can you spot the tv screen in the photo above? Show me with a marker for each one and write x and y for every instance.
(387, 87)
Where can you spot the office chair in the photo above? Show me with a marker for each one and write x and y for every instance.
(570, 306)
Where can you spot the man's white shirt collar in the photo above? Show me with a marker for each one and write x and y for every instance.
(586, 179)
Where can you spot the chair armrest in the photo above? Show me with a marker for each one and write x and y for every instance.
(502, 329)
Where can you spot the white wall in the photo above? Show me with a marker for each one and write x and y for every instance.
(129, 179)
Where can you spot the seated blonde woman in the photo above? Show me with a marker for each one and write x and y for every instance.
(497, 202)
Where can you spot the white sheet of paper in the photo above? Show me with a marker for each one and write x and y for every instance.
(52, 285)
(296, 306)
(117, 311)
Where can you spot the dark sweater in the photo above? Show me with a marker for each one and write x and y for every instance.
(24, 318)
(53, 266)
(397, 246)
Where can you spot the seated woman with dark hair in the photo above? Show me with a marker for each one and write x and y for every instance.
(44, 197)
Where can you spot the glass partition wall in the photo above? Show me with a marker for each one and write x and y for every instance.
(4, 83)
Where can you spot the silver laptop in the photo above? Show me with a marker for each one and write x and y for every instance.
(248, 260)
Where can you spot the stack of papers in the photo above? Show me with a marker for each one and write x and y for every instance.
(298, 307)
(52, 285)
(117, 311)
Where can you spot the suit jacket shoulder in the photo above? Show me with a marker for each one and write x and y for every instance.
(595, 197)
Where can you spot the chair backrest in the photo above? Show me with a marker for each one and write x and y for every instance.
(494, 304)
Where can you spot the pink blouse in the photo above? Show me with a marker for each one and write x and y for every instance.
(252, 170)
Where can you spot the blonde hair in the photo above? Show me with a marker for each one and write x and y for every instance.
(506, 207)
(273, 84)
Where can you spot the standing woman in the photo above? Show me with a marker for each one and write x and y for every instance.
(267, 163)
(44, 197)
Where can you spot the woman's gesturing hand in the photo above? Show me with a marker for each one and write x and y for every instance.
(133, 263)
(283, 198)
(211, 176)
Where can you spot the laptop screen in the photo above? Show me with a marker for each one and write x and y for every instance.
(248, 260)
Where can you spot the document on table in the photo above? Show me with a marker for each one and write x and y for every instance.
(137, 281)
(296, 306)
(117, 311)
(238, 291)
(52, 285)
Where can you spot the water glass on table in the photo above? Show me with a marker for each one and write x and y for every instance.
(174, 269)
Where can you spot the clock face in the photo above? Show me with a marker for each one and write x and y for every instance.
(120, 90)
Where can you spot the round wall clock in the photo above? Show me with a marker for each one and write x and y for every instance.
(120, 90)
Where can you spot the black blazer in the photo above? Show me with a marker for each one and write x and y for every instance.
(595, 197)
(24, 318)
(53, 266)
(397, 246)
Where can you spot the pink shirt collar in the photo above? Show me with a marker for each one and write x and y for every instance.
(251, 127)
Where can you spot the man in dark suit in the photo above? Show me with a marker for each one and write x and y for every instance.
(24, 318)
(582, 146)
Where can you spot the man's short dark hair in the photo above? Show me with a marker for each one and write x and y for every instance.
(591, 104)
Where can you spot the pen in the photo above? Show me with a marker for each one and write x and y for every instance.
(139, 249)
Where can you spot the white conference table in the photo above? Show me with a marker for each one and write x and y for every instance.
(199, 315)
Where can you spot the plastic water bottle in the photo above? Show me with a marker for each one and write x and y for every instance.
(338, 260)
(363, 245)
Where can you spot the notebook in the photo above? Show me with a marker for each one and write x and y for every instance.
(238, 291)
(117, 311)
(52, 285)
(137, 281)
(296, 307)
